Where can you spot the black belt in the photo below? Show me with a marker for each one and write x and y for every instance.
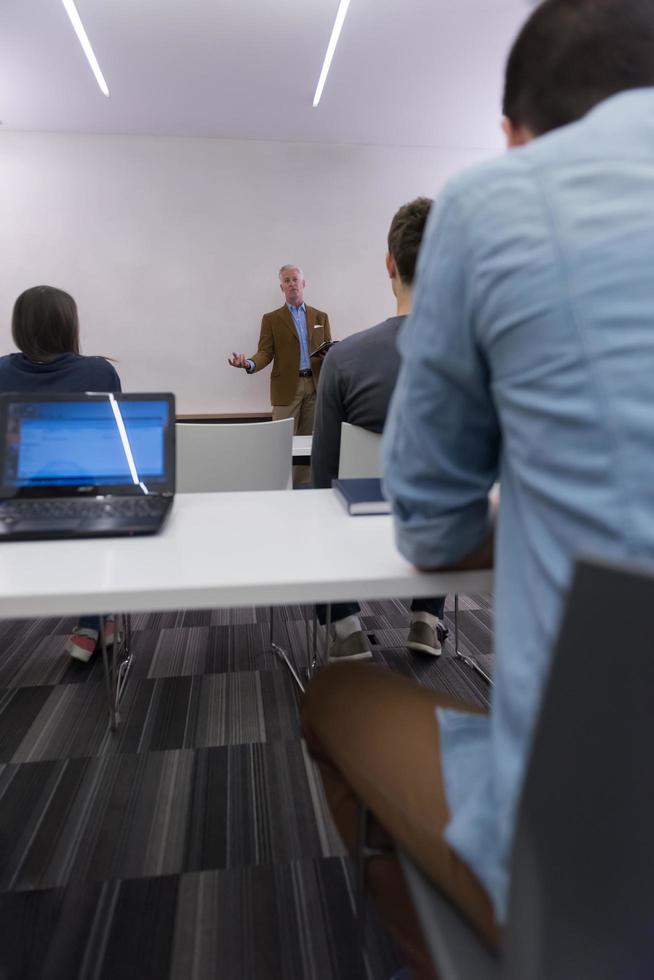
(306, 374)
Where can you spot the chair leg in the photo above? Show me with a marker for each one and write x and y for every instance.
(124, 638)
(307, 641)
(116, 673)
(312, 644)
(361, 908)
(280, 652)
(364, 854)
(468, 661)
(328, 626)
(456, 624)
(109, 678)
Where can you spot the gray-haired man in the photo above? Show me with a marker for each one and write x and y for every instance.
(289, 337)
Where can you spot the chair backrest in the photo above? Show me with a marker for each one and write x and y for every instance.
(457, 951)
(359, 456)
(241, 456)
(582, 873)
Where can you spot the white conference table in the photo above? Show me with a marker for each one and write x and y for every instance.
(302, 450)
(221, 550)
(266, 548)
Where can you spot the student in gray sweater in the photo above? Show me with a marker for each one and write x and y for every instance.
(356, 384)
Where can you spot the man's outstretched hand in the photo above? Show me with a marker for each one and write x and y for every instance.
(238, 360)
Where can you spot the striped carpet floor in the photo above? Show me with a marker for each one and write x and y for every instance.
(195, 842)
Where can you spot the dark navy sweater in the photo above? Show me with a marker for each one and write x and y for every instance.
(69, 372)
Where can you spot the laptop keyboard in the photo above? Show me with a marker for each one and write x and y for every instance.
(67, 507)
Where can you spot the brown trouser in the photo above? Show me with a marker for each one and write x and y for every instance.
(375, 738)
(302, 409)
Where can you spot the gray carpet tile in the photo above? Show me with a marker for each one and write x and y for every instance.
(302, 914)
(264, 922)
(112, 929)
(195, 841)
(203, 650)
(199, 711)
(155, 813)
(444, 673)
(18, 710)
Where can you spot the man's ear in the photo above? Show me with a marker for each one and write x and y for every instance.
(391, 267)
(516, 134)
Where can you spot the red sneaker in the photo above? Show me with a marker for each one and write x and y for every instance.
(81, 643)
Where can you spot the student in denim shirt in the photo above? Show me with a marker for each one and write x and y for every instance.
(529, 358)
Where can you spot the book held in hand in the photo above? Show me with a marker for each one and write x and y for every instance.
(362, 496)
(323, 347)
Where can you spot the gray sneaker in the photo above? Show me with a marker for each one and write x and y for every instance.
(353, 647)
(424, 638)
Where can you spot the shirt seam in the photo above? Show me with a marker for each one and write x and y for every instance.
(579, 329)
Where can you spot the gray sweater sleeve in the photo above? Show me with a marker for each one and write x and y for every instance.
(326, 444)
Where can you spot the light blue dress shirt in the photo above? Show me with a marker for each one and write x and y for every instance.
(529, 358)
(299, 315)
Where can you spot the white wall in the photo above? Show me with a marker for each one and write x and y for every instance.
(171, 246)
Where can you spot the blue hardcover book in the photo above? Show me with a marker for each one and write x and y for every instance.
(363, 496)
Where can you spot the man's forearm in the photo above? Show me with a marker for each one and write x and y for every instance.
(482, 557)
(261, 359)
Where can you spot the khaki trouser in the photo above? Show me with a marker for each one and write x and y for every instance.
(375, 738)
(302, 410)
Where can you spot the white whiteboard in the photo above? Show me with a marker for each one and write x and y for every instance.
(171, 246)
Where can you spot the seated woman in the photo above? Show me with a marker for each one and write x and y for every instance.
(45, 329)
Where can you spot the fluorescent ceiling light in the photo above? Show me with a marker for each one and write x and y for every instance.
(331, 47)
(71, 10)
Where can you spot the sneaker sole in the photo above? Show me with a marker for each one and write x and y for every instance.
(367, 655)
(423, 648)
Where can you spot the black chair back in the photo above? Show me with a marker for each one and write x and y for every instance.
(582, 877)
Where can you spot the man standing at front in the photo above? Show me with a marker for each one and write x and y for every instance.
(288, 337)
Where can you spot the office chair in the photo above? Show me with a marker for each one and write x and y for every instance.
(216, 457)
(359, 453)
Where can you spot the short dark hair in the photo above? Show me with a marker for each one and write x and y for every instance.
(572, 54)
(44, 323)
(405, 236)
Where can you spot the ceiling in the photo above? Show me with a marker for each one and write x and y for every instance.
(406, 72)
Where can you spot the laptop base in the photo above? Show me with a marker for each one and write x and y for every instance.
(30, 530)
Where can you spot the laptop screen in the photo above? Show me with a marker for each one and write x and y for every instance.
(92, 441)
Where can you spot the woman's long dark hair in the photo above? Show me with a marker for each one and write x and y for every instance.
(44, 323)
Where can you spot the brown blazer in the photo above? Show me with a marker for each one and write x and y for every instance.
(278, 342)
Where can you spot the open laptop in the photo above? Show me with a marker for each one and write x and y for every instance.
(85, 465)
